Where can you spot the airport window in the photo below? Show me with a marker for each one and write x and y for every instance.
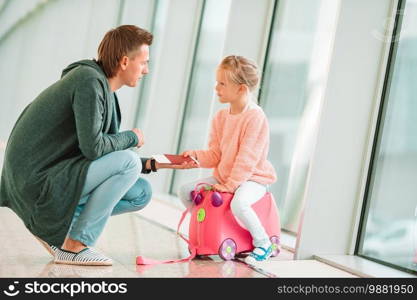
(388, 232)
(294, 76)
(157, 28)
(201, 94)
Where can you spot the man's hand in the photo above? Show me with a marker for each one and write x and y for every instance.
(140, 136)
(184, 165)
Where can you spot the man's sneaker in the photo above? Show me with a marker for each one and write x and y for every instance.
(86, 257)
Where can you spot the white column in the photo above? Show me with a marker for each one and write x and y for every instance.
(139, 13)
(334, 190)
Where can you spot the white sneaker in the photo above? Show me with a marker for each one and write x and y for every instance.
(259, 254)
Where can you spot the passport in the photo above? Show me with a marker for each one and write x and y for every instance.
(173, 159)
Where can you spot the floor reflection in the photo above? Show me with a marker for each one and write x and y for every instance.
(124, 238)
(53, 270)
(202, 268)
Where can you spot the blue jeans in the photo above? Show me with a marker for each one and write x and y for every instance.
(112, 187)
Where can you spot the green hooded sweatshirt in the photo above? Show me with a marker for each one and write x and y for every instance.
(71, 123)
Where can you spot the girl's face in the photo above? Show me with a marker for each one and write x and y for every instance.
(226, 90)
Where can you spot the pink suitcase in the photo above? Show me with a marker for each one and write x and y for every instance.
(214, 230)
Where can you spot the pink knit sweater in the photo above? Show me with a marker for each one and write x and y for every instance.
(238, 148)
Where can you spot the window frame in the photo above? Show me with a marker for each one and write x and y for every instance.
(377, 139)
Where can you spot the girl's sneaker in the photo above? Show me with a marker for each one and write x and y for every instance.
(259, 254)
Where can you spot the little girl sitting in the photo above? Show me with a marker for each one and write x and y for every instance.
(238, 150)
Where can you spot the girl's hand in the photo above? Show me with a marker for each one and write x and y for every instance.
(187, 165)
(189, 153)
(222, 188)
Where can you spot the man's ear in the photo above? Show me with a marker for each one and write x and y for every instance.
(124, 61)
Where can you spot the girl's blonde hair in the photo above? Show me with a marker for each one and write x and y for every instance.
(241, 70)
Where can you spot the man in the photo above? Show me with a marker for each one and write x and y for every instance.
(67, 168)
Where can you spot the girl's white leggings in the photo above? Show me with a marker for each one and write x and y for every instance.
(247, 194)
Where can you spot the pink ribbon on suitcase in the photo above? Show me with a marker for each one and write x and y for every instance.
(140, 260)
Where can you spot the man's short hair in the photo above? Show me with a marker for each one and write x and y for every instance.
(119, 42)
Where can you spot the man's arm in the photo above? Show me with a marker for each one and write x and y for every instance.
(89, 107)
(146, 165)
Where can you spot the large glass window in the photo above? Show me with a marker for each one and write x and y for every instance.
(33, 52)
(201, 94)
(389, 228)
(294, 79)
(157, 29)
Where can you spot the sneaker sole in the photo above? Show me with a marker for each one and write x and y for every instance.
(85, 263)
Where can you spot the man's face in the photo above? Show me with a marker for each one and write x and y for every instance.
(136, 66)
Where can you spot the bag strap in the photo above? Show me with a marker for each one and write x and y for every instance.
(200, 184)
(140, 260)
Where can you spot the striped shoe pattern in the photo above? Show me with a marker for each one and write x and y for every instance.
(86, 257)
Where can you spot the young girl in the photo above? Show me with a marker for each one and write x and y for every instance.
(238, 149)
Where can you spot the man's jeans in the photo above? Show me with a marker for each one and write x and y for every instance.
(112, 187)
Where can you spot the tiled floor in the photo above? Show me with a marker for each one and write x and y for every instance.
(150, 233)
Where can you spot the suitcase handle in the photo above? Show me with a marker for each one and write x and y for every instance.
(200, 184)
